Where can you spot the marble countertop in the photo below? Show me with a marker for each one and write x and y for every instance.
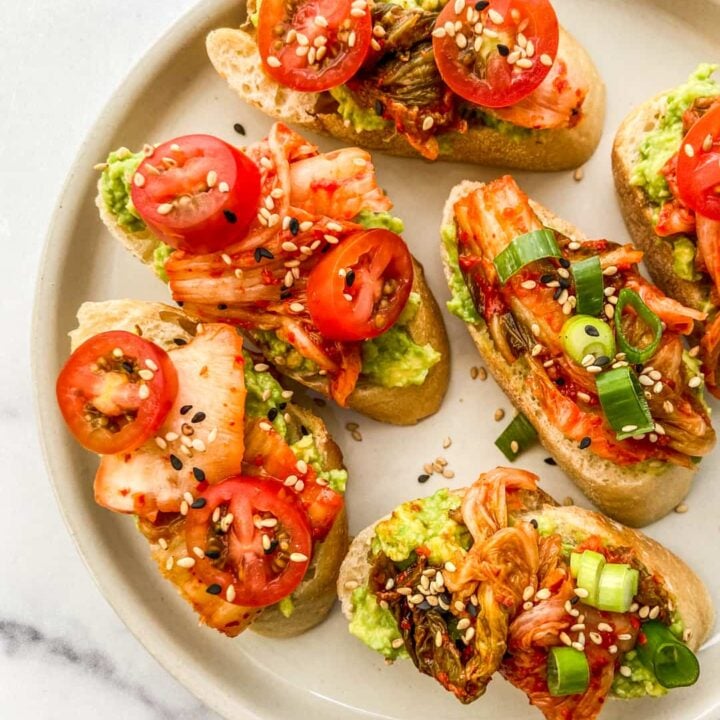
(63, 651)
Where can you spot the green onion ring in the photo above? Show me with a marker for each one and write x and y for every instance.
(568, 672)
(525, 249)
(635, 354)
(624, 403)
(516, 437)
(617, 588)
(673, 663)
(589, 286)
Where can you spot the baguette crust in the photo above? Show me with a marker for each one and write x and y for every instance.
(315, 596)
(638, 211)
(636, 495)
(399, 405)
(233, 53)
(687, 590)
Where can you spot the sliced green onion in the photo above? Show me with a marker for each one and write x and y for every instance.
(618, 585)
(636, 354)
(589, 573)
(519, 435)
(589, 285)
(673, 663)
(583, 335)
(525, 249)
(575, 563)
(624, 403)
(568, 672)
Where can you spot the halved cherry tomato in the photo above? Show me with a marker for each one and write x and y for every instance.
(115, 390)
(267, 453)
(313, 45)
(263, 553)
(698, 166)
(358, 290)
(197, 193)
(502, 52)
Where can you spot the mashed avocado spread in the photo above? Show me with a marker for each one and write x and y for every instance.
(423, 523)
(461, 302)
(160, 256)
(641, 682)
(684, 259)
(362, 119)
(661, 143)
(375, 626)
(115, 188)
(306, 449)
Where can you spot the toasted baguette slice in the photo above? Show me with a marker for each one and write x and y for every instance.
(235, 56)
(399, 405)
(638, 211)
(636, 495)
(313, 599)
(684, 587)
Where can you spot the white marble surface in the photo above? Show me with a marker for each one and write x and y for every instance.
(63, 651)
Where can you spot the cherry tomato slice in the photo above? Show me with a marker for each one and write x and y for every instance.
(262, 553)
(358, 290)
(313, 45)
(197, 193)
(502, 52)
(698, 166)
(115, 390)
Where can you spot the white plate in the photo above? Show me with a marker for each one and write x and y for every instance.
(640, 47)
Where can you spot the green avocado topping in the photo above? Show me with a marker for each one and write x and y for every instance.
(661, 143)
(642, 680)
(371, 219)
(362, 119)
(423, 523)
(306, 449)
(286, 606)
(684, 259)
(283, 353)
(261, 385)
(160, 255)
(115, 188)
(461, 302)
(393, 359)
(375, 626)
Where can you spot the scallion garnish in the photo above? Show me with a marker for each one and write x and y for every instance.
(635, 354)
(519, 435)
(568, 672)
(624, 403)
(583, 335)
(525, 249)
(618, 586)
(673, 663)
(589, 573)
(589, 285)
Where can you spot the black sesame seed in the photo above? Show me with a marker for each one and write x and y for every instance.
(273, 545)
(472, 610)
(239, 129)
(574, 600)
(212, 554)
(424, 605)
(379, 107)
(128, 367)
(222, 306)
(199, 474)
(214, 589)
(564, 262)
(534, 523)
(294, 226)
(282, 405)
(482, 5)
(560, 382)
(557, 293)
(261, 253)
(504, 50)
(230, 216)
(180, 303)
(176, 462)
(304, 430)
(545, 279)
(350, 278)
(602, 360)
(198, 417)
(272, 414)
(585, 443)
(564, 283)
(592, 331)
(639, 368)
(549, 461)
(185, 409)
(180, 341)
(285, 294)
(423, 478)
(199, 503)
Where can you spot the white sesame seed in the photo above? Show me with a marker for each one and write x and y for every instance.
(223, 187)
(198, 444)
(625, 671)
(169, 563)
(146, 374)
(428, 122)
(654, 613)
(469, 635)
(164, 208)
(543, 594)
(211, 179)
(528, 285)
(143, 392)
(351, 584)
(581, 592)
(302, 467)
(186, 562)
(439, 32)
(515, 447)
(645, 380)
(565, 638)
(495, 17)
(524, 63)
(528, 592)
(397, 643)
(604, 627)
(199, 552)
(160, 443)
(463, 624)
(459, 6)
(450, 566)
(694, 382)
(644, 611)
(689, 150)
(546, 60)
(138, 180)
(230, 593)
